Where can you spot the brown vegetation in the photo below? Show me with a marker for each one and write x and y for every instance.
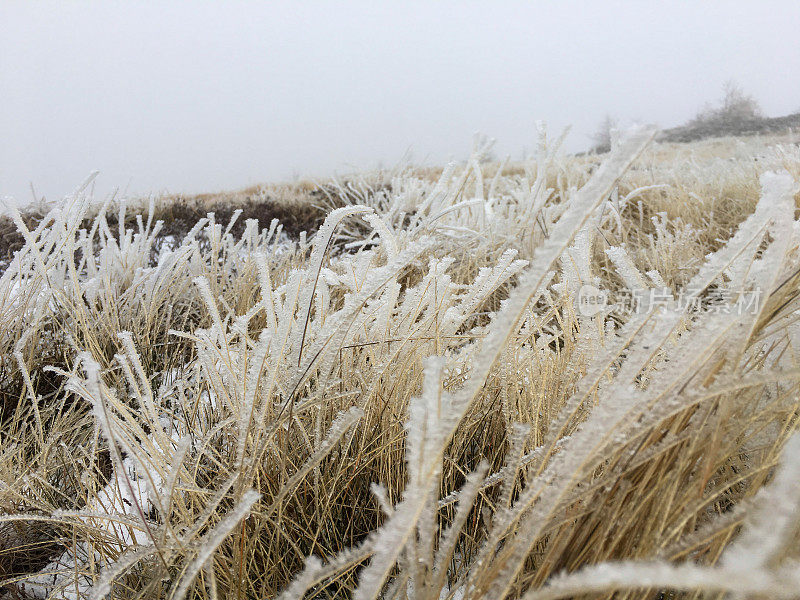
(411, 403)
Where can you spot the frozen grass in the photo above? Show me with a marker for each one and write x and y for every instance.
(408, 403)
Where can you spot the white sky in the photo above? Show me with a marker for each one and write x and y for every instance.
(202, 96)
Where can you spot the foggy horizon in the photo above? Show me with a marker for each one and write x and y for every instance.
(191, 98)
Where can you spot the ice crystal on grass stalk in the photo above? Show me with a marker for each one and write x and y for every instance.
(429, 423)
(761, 562)
(209, 543)
(627, 270)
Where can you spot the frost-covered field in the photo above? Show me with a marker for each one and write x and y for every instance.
(573, 375)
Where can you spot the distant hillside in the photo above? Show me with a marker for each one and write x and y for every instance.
(703, 129)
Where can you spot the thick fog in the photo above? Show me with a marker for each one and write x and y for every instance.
(202, 96)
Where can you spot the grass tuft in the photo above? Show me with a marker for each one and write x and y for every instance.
(393, 386)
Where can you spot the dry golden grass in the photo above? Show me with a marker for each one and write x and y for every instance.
(412, 403)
